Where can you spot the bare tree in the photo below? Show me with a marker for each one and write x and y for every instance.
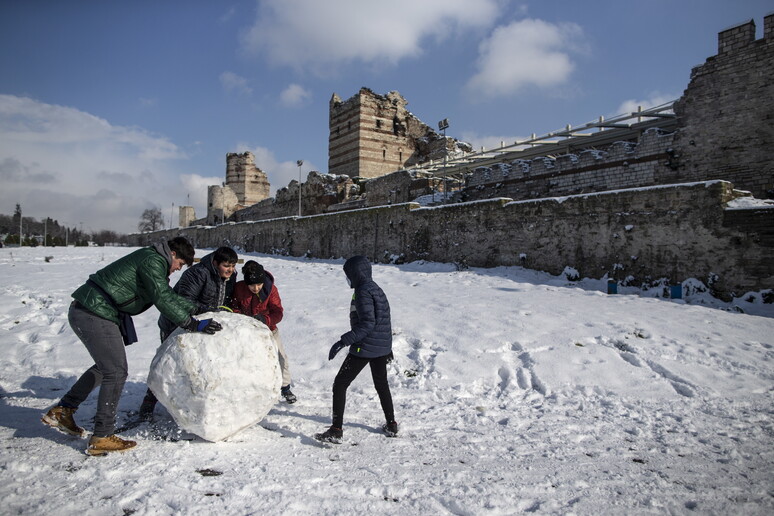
(151, 220)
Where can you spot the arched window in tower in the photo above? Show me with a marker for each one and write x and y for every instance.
(349, 126)
(384, 154)
(378, 124)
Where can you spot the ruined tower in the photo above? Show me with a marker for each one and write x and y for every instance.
(245, 185)
(372, 135)
(248, 182)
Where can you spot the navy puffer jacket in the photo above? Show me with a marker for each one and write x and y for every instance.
(203, 285)
(369, 313)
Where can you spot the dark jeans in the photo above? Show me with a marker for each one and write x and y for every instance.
(350, 368)
(104, 343)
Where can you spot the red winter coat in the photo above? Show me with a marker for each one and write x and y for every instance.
(266, 303)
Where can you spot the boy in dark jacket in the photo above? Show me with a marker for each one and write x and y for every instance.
(209, 284)
(258, 297)
(370, 343)
(101, 318)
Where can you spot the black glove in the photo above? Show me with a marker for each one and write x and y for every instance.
(335, 349)
(207, 326)
(261, 318)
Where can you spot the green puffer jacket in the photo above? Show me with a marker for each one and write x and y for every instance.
(136, 282)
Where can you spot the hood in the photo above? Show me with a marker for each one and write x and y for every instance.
(163, 249)
(209, 264)
(358, 270)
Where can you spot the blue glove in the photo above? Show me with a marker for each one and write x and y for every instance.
(335, 349)
(259, 317)
(207, 326)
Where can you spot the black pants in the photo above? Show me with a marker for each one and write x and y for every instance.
(350, 368)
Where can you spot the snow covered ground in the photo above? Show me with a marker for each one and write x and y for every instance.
(516, 391)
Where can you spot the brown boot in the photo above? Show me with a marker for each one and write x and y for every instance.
(111, 443)
(61, 418)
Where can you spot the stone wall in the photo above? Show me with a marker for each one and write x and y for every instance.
(318, 193)
(726, 114)
(647, 162)
(635, 236)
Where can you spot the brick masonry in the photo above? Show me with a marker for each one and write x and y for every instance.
(550, 213)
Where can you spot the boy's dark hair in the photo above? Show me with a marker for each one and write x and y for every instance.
(183, 249)
(225, 255)
(253, 273)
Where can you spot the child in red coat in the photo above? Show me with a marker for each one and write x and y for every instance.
(257, 296)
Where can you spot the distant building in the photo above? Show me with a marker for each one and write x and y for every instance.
(372, 135)
(245, 185)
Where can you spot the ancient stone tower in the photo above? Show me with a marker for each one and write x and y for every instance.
(245, 185)
(248, 182)
(372, 135)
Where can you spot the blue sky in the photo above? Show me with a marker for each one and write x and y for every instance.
(109, 108)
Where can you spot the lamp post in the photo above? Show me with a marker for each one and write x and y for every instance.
(443, 125)
(299, 163)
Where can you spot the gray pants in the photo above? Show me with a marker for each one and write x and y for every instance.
(104, 343)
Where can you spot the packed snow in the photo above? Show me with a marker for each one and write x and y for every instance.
(216, 385)
(516, 392)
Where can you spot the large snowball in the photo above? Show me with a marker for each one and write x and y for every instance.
(216, 385)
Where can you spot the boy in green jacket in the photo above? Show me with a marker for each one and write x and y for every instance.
(101, 318)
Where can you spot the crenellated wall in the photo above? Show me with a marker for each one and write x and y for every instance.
(649, 161)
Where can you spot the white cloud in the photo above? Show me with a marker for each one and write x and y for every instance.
(315, 35)
(228, 15)
(655, 99)
(234, 83)
(294, 95)
(526, 53)
(63, 163)
(193, 191)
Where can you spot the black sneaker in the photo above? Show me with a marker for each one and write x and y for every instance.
(288, 395)
(390, 429)
(145, 413)
(331, 435)
(147, 406)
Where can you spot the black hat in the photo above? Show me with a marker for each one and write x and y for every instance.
(255, 275)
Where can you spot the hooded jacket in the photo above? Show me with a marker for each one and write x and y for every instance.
(135, 282)
(266, 302)
(202, 285)
(369, 313)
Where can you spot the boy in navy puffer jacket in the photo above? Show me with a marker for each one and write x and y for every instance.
(370, 343)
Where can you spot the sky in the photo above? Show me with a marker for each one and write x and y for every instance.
(111, 108)
(529, 394)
